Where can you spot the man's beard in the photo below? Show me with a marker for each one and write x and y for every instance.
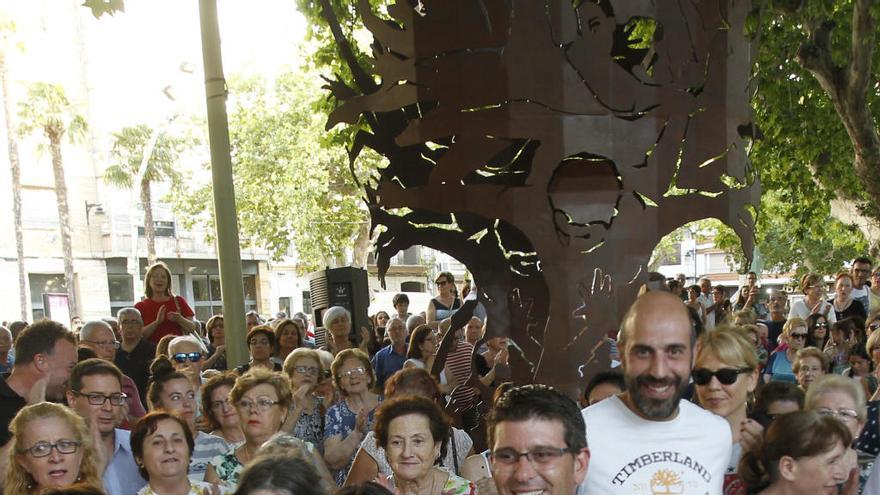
(654, 409)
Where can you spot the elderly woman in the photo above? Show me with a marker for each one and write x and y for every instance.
(219, 413)
(725, 374)
(779, 366)
(817, 331)
(337, 321)
(351, 418)
(162, 311)
(162, 444)
(371, 460)
(217, 348)
(172, 391)
(446, 303)
(51, 447)
(289, 335)
(803, 454)
(262, 398)
(261, 344)
(306, 419)
(809, 365)
(413, 430)
(844, 304)
(843, 399)
(813, 286)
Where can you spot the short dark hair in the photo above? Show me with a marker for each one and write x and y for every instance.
(541, 402)
(368, 488)
(92, 367)
(146, 426)
(777, 391)
(863, 259)
(280, 473)
(225, 378)
(399, 298)
(411, 404)
(266, 330)
(16, 327)
(410, 380)
(613, 377)
(80, 488)
(40, 338)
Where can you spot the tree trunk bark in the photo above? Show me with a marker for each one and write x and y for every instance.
(149, 226)
(15, 167)
(361, 245)
(54, 136)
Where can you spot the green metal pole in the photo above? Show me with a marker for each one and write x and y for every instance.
(225, 217)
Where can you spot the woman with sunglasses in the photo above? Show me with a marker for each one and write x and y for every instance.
(725, 374)
(351, 418)
(172, 391)
(817, 331)
(779, 366)
(446, 303)
(261, 344)
(843, 399)
(262, 398)
(50, 448)
(306, 419)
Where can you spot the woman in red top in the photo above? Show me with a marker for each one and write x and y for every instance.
(163, 312)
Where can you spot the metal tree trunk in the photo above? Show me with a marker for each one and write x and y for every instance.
(63, 217)
(15, 167)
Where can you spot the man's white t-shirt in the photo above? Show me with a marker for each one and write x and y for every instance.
(631, 455)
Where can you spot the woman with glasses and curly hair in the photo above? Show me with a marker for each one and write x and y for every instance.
(51, 448)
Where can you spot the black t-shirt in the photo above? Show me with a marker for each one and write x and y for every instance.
(774, 330)
(136, 364)
(856, 308)
(10, 404)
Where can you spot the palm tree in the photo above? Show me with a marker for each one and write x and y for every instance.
(130, 145)
(47, 110)
(7, 27)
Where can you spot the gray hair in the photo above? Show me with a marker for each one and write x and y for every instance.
(188, 338)
(130, 311)
(414, 321)
(91, 327)
(334, 313)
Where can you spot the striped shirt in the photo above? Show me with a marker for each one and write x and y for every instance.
(459, 362)
(207, 447)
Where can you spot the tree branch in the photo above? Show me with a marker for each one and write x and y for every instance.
(859, 71)
(815, 56)
(361, 78)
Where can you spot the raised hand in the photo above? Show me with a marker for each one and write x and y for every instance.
(160, 316)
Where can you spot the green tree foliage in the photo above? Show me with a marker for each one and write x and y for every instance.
(806, 157)
(292, 185)
(126, 155)
(48, 111)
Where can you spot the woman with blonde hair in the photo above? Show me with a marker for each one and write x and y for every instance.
(813, 286)
(48, 439)
(725, 375)
(779, 366)
(163, 312)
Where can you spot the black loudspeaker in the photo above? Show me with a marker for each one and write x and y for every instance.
(346, 287)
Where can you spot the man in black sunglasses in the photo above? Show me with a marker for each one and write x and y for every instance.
(647, 436)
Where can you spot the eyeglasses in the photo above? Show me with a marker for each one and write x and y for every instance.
(110, 343)
(540, 456)
(727, 376)
(306, 370)
(97, 399)
(799, 336)
(441, 283)
(220, 404)
(353, 372)
(182, 357)
(42, 449)
(841, 414)
(821, 325)
(263, 404)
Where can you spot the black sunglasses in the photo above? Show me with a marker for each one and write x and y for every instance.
(727, 376)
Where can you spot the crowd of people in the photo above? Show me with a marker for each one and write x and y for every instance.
(714, 394)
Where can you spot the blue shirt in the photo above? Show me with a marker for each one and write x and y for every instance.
(121, 476)
(386, 362)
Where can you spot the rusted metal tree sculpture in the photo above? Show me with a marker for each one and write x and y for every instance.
(537, 141)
